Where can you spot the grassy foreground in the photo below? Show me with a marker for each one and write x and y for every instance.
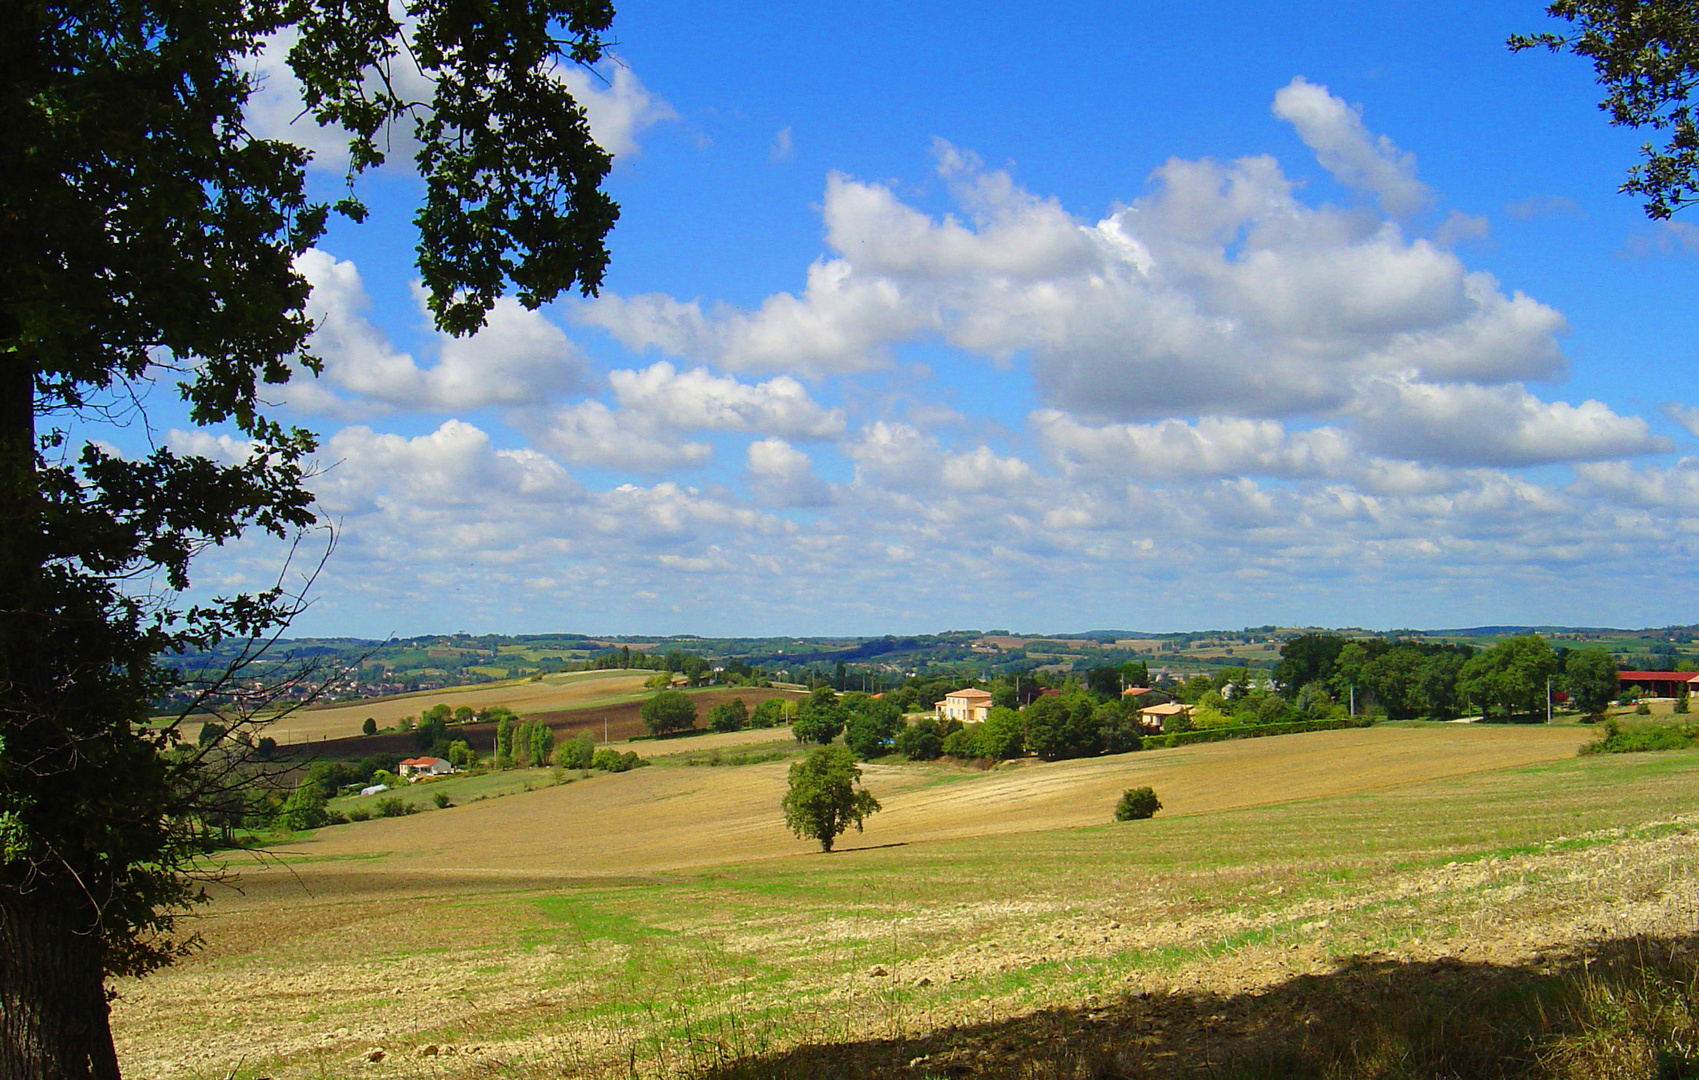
(1535, 919)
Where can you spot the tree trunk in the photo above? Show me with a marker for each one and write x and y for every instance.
(53, 1014)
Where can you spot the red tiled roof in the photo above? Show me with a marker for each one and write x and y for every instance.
(970, 692)
(1657, 676)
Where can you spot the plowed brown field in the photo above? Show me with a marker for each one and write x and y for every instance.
(615, 722)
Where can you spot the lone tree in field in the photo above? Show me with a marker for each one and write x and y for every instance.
(825, 796)
(1136, 804)
(148, 234)
(669, 711)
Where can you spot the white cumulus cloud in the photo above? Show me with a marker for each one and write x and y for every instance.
(1463, 424)
(782, 475)
(1345, 147)
(697, 400)
(1217, 291)
(518, 358)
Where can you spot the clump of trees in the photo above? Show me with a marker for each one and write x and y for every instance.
(1076, 724)
(922, 740)
(610, 760)
(697, 669)
(731, 715)
(1000, 737)
(579, 752)
(669, 712)
(825, 796)
(1590, 679)
(1409, 679)
(819, 717)
(871, 724)
(770, 713)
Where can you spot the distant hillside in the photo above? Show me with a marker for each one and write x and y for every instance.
(354, 668)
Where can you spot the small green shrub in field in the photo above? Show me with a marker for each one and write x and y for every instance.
(359, 813)
(1642, 709)
(395, 806)
(1620, 737)
(442, 801)
(1137, 804)
(1681, 706)
(614, 761)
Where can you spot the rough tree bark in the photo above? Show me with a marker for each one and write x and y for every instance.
(53, 1011)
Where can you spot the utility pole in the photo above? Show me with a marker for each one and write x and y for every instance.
(1548, 699)
(1353, 701)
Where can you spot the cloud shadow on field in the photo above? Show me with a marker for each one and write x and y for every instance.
(1620, 1008)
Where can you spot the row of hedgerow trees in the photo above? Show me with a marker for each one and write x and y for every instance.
(673, 712)
(1410, 679)
(1074, 723)
(698, 669)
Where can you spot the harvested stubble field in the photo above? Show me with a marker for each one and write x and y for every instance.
(662, 923)
(617, 721)
(575, 690)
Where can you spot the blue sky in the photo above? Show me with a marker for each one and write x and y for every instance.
(1034, 316)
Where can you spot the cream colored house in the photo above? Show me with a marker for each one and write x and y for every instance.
(970, 706)
(1154, 717)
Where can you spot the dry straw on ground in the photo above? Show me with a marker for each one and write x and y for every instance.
(1347, 899)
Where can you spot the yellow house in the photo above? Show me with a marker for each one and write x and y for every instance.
(970, 706)
(1154, 717)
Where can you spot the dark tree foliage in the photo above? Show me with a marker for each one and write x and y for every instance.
(1590, 677)
(728, 716)
(825, 796)
(1394, 678)
(1063, 726)
(1105, 682)
(1645, 54)
(819, 719)
(1513, 675)
(1306, 659)
(770, 713)
(872, 726)
(432, 729)
(1136, 804)
(922, 740)
(145, 235)
(669, 711)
